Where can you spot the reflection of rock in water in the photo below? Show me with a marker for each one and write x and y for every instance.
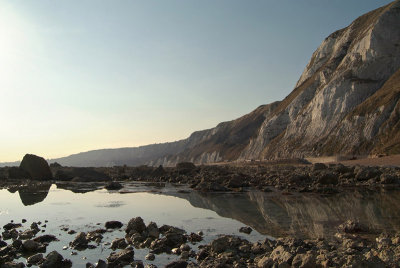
(80, 187)
(32, 194)
(304, 215)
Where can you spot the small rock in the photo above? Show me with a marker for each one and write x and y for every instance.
(246, 230)
(35, 259)
(114, 186)
(150, 257)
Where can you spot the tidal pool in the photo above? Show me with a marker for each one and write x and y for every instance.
(86, 207)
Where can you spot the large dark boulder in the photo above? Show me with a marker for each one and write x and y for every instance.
(36, 166)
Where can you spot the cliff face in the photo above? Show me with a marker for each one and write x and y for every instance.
(345, 102)
(346, 99)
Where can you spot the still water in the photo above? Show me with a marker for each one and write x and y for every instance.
(86, 207)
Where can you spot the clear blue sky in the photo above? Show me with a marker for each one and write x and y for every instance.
(82, 75)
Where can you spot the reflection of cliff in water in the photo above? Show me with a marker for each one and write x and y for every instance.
(304, 215)
(32, 194)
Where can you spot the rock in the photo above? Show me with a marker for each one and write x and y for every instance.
(138, 264)
(352, 227)
(367, 173)
(185, 255)
(101, 264)
(114, 186)
(195, 238)
(119, 243)
(17, 244)
(13, 265)
(304, 260)
(45, 238)
(55, 260)
(34, 227)
(150, 257)
(80, 241)
(28, 234)
(2, 244)
(265, 262)
(113, 224)
(327, 177)
(220, 244)
(81, 174)
(12, 234)
(319, 166)
(185, 166)
(10, 226)
(184, 247)
(152, 230)
(246, 230)
(36, 166)
(135, 225)
(177, 264)
(121, 258)
(174, 239)
(210, 186)
(35, 259)
(388, 179)
(281, 255)
(170, 229)
(31, 245)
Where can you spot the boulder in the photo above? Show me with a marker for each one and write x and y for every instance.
(80, 241)
(319, 166)
(36, 166)
(35, 259)
(352, 227)
(31, 245)
(177, 264)
(135, 225)
(55, 259)
(121, 258)
(11, 225)
(152, 230)
(119, 243)
(114, 186)
(113, 224)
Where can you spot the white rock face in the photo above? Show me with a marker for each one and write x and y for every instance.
(348, 67)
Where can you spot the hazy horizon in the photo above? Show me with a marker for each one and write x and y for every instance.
(80, 76)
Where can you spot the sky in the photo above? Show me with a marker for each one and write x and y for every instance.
(92, 74)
